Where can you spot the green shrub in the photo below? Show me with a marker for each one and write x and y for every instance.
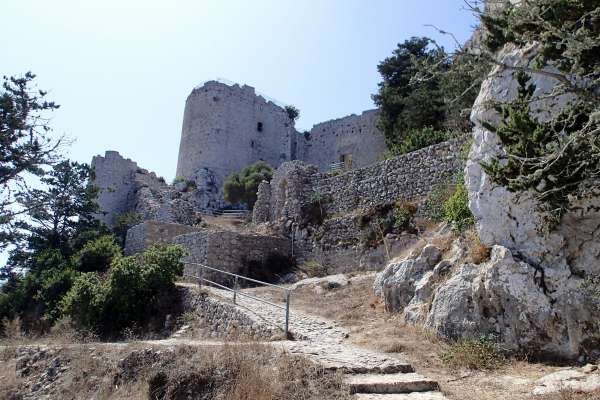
(97, 255)
(292, 112)
(54, 284)
(241, 187)
(433, 206)
(476, 354)
(387, 218)
(456, 209)
(124, 222)
(403, 216)
(85, 301)
(130, 293)
(314, 211)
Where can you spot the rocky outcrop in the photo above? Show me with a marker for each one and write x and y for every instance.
(501, 298)
(514, 220)
(530, 295)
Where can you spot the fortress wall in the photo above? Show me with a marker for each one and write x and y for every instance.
(220, 133)
(408, 177)
(115, 177)
(296, 186)
(355, 135)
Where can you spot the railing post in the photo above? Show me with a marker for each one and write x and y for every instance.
(235, 287)
(287, 313)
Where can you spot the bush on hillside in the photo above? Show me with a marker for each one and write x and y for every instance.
(456, 209)
(129, 295)
(416, 139)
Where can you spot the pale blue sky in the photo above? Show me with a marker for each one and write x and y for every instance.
(122, 69)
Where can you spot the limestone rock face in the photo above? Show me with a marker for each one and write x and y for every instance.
(513, 220)
(396, 283)
(504, 297)
(529, 295)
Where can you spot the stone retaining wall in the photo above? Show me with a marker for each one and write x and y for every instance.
(224, 320)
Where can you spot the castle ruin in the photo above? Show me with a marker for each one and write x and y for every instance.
(227, 127)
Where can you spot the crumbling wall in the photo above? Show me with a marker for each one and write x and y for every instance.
(319, 210)
(145, 234)
(355, 136)
(408, 177)
(115, 177)
(262, 207)
(244, 254)
(127, 188)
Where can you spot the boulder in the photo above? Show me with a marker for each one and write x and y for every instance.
(396, 283)
(522, 307)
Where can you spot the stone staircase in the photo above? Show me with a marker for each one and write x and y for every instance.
(369, 374)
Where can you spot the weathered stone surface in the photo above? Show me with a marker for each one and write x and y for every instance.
(504, 297)
(255, 256)
(569, 379)
(396, 283)
(402, 396)
(390, 383)
(513, 220)
(126, 188)
(145, 234)
(262, 207)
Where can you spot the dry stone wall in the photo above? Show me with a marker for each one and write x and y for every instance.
(127, 188)
(221, 319)
(115, 176)
(299, 193)
(244, 254)
(147, 233)
(407, 177)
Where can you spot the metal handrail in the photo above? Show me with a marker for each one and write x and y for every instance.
(236, 291)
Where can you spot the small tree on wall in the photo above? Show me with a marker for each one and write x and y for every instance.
(292, 112)
(241, 187)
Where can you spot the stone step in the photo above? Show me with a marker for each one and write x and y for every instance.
(402, 396)
(390, 383)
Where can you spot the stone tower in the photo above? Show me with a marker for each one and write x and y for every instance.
(225, 129)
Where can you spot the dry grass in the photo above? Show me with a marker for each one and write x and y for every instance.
(363, 316)
(472, 354)
(135, 371)
(61, 333)
(478, 252)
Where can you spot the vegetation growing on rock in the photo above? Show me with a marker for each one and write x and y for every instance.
(558, 159)
(241, 187)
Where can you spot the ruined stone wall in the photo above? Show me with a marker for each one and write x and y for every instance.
(407, 177)
(220, 319)
(141, 236)
(355, 135)
(114, 176)
(262, 207)
(320, 210)
(243, 254)
(225, 129)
